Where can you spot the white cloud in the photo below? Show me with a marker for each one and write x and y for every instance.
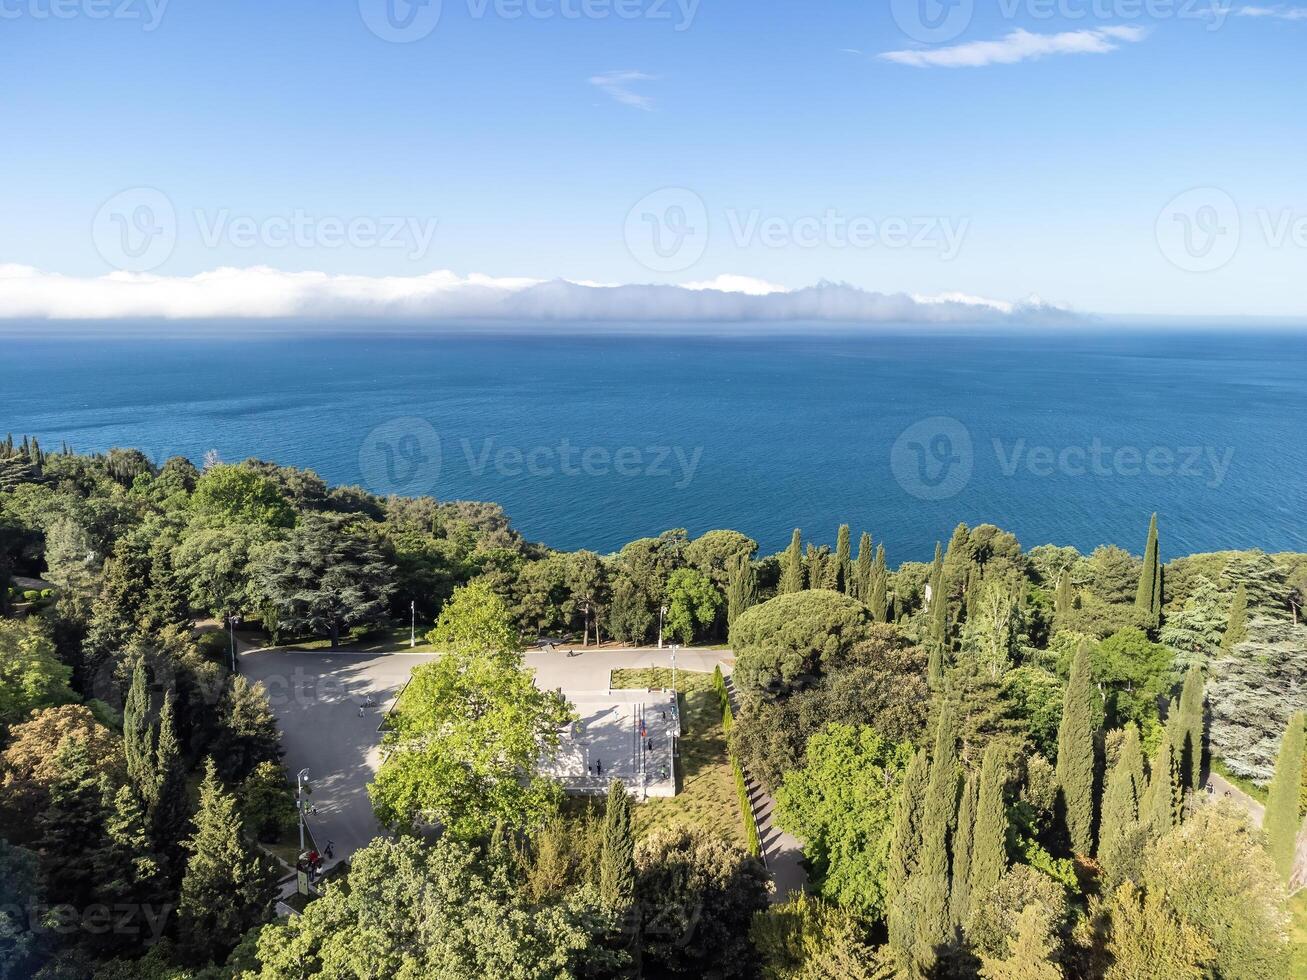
(1020, 45)
(264, 293)
(618, 85)
(1279, 12)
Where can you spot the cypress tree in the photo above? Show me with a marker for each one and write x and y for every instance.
(963, 846)
(617, 857)
(973, 590)
(989, 839)
(1075, 755)
(1163, 801)
(127, 872)
(1282, 805)
(905, 842)
(229, 886)
(879, 587)
(167, 815)
(1149, 596)
(741, 588)
(70, 832)
(138, 735)
(1121, 837)
(843, 563)
(792, 569)
(817, 568)
(1064, 604)
(1236, 630)
(938, 611)
(938, 822)
(1190, 749)
(862, 575)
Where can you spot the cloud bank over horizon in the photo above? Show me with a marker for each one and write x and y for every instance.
(261, 292)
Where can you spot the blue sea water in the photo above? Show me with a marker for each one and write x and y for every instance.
(591, 441)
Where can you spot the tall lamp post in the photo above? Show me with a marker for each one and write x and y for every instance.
(300, 780)
(662, 611)
(413, 625)
(232, 620)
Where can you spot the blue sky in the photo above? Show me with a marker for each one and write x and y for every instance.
(518, 146)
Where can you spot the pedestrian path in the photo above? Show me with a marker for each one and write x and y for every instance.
(781, 852)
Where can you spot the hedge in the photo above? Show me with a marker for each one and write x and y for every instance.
(741, 784)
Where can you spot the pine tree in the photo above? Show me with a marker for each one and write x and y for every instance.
(229, 886)
(1282, 804)
(1189, 751)
(938, 617)
(989, 839)
(1121, 838)
(70, 832)
(963, 847)
(1149, 596)
(617, 858)
(863, 569)
(792, 567)
(973, 591)
(1236, 631)
(905, 843)
(1075, 755)
(741, 588)
(843, 564)
(138, 735)
(126, 869)
(938, 821)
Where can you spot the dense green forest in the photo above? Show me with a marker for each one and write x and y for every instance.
(995, 760)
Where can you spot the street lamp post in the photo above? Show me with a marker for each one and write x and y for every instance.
(413, 624)
(300, 780)
(662, 611)
(232, 620)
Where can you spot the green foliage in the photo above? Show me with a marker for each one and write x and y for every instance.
(698, 895)
(1281, 821)
(31, 674)
(617, 858)
(1196, 631)
(19, 891)
(741, 589)
(466, 740)
(752, 841)
(792, 576)
(1076, 763)
(1148, 941)
(993, 927)
(990, 834)
(267, 804)
(329, 574)
(808, 939)
(1122, 835)
(693, 603)
(909, 812)
(1031, 956)
(442, 911)
(787, 642)
(229, 886)
(1236, 630)
(842, 804)
(1253, 692)
(238, 494)
(1148, 597)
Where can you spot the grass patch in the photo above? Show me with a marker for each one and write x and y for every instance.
(706, 794)
(1298, 934)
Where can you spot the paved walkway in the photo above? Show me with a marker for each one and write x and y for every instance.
(330, 704)
(1220, 788)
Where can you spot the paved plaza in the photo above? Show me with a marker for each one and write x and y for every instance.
(626, 735)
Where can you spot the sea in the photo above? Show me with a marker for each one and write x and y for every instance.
(592, 439)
